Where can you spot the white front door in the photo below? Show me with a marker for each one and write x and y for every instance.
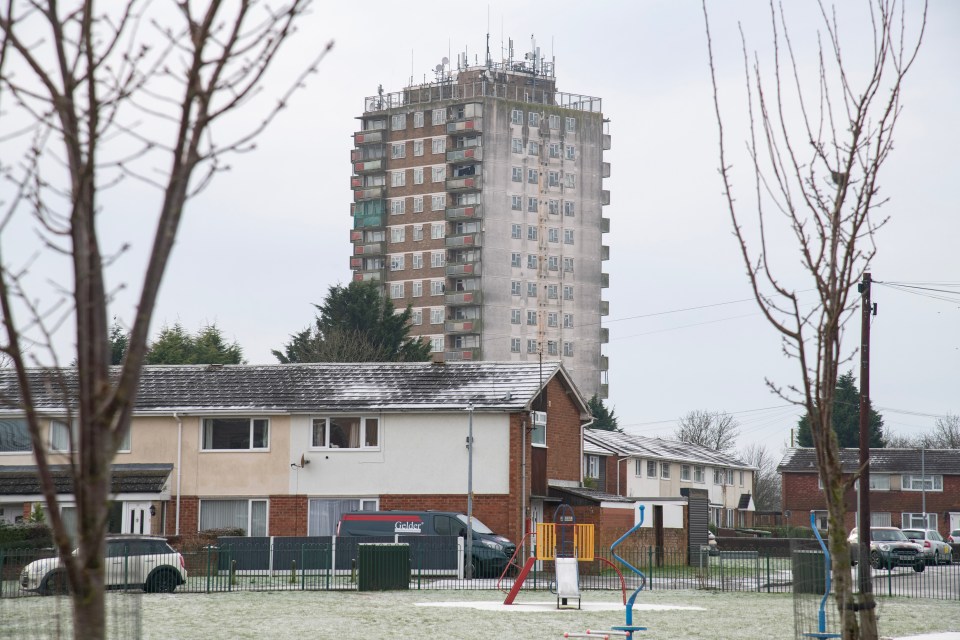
(954, 521)
(536, 516)
(136, 518)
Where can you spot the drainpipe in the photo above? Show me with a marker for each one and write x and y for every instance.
(176, 417)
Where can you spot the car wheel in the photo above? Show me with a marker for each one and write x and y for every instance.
(55, 584)
(875, 561)
(163, 581)
(919, 567)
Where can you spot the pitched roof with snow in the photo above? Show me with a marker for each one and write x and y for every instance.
(626, 444)
(382, 386)
(882, 460)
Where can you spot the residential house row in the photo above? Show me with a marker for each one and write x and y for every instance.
(286, 449)
(909, 488)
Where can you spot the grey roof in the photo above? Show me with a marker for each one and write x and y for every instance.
(937, 461)
(500, 386)
(629, 445)
(592, 495)
(125, 478)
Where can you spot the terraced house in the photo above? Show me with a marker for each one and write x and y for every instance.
(285, 449)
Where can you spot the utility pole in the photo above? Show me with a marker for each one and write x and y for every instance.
(863, 529)
(469, 540)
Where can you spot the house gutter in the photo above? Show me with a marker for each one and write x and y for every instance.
(523, 481)
(176, 417)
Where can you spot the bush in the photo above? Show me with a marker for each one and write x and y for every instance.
(27, 535)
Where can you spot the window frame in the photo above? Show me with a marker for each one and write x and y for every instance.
(362, 432)
(248, 529)
(19, 435)
(651, 468)
(253, 420)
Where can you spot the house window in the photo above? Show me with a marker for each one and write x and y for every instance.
(533, 176)
(552, 319)
(437, 230)
(718, 476)
(568, 349)
(568, 236)
(532, 318)
(698, 473)
(439, 116)
(568, 208)
(665, 470)
(396, 290)
(553, 263)
(552, 349)
(398, 121)
(398, 206)
(569, 180)
(15, 436)
(439, 145)
(346, 432)
(880, 482)
(554, 150)
(553, 207)
(398, 234)
(416, 315)
(592, 467)
(532, 205)
(571, 125)
(418, 175)
(517, 174)
(730, 477)
(438, 202)
(516, 203)
(880, 519)
(570, 152)
(515, 260)
(638, 468)
(531, 346)
(651, 468)
(436, 344)
(397, 262)
(918, 521)
(516, 145)
(516, 232)
(60, 437)
(568, 292)
(568, 265)
(398, 150)
(437, 259)
(436, 287)
(917, 482)
(236, 434)
(417, 148)
(568, 321)
(436, 316)
(534, 149)
(516, 116)
(418, 204)
(515, 287)
(514, 316)
(553, 178)
(439, 174)
(538, 436)
(741, 478)
(533, 119)
(417, 119)
(531, 232)
(398, 178)
(249, 515)
(324, 514)
(553, 234)
(552, 291)
(417, 232)
(531, 261)
(531, 289)
(514, 345)
(685, 472)
(555, 124)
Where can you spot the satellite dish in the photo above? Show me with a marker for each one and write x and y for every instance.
(445, 60)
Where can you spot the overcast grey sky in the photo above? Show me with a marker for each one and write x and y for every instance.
(268, 238)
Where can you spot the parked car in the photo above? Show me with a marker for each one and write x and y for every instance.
(935, 550)
(145, 562)
(888, 548)
(954, 537)
(491, 552)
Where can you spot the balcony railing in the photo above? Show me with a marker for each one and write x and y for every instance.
(463, 240)
(369, 137)
(370, 193)
(368, 152)
(457, 156)
(604, 225)
(461, 127)
(604, 169)
(462, 354)
(469, 212)
(604, 307)
(604, 363)
(368, 166)
(605, 197)
(604, 280)
(441, 91)
(606, 141)
(462, 298)
(462, 326)
(463, 269)
(468, 183)
(374, 274)
(604, 335)
(370, 249)
(604, 391)
(368, 220)
(604, 252)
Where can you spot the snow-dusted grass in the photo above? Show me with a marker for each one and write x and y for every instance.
(401, 615)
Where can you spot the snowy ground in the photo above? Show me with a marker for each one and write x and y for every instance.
(472, 615)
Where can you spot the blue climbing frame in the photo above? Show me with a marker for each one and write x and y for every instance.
(629, 627)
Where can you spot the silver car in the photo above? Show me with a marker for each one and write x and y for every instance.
(145, 562)
(935, 550)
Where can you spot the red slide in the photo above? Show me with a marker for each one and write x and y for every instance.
(518, 582)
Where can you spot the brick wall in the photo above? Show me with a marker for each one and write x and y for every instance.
(288, 515)
(563, 434)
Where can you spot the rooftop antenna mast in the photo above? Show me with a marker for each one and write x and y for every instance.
(489, 61)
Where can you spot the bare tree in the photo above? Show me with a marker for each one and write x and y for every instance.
(945, 435)
(716, 430)
(814, 161)
(91, 104)
(767, 489)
